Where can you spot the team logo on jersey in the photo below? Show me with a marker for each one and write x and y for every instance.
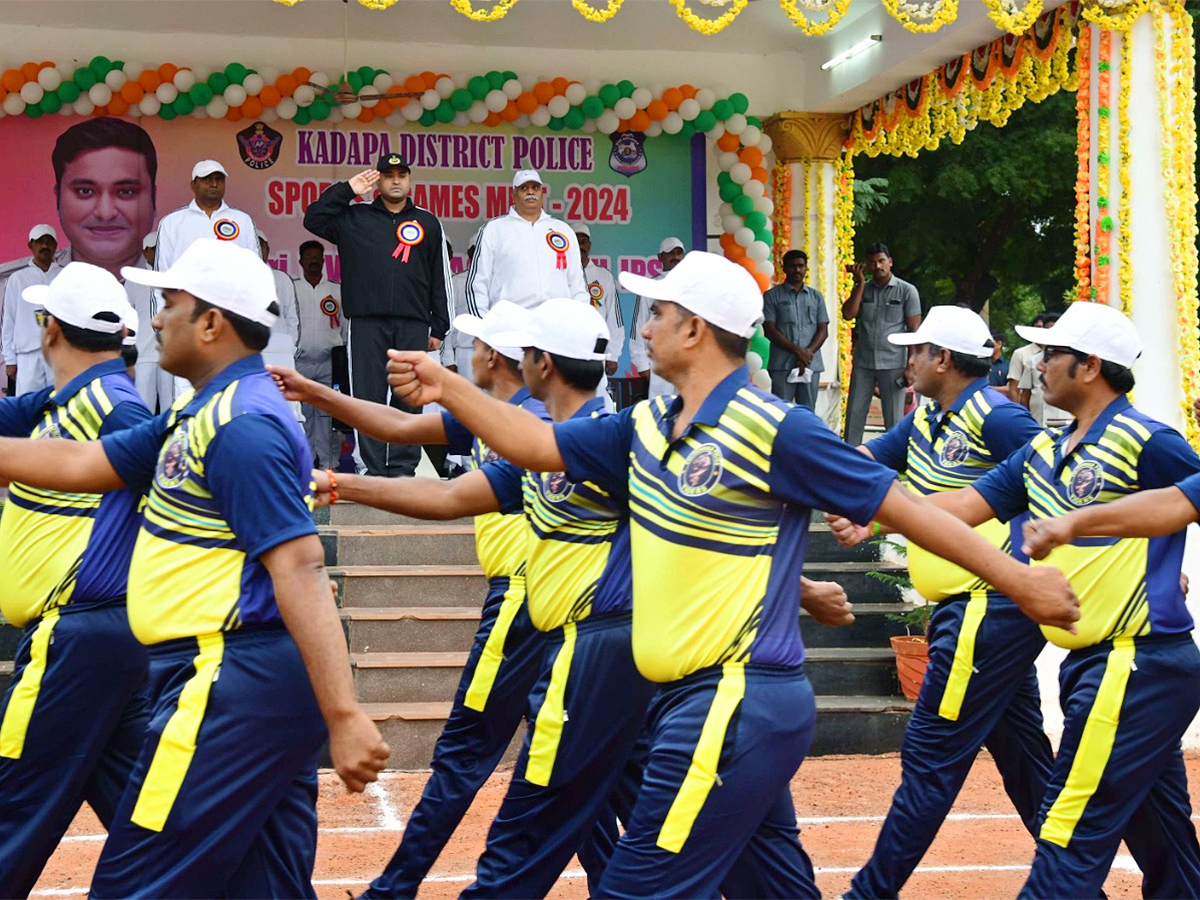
(259, 145)
(490, 456)
(701, 471)
(172, 466)
(49, 432)
(955, 450)
(556, 486)
(226, 229)
(1087, 481)
(628, 155)
(596, 292)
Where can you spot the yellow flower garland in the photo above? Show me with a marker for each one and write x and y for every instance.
(781, 175)
(597, 15)
(1003, 13)
(1119, 18)
(1122, 71)
(843, 226)
(805, 205)
(922, 18)
(1083, 178)
(818, 277)
(837, 9)
(497, 12)
(704, 26)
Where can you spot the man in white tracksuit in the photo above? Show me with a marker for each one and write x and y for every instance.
(670, 252)
(20, 336)
(322, 329)
(602, 292)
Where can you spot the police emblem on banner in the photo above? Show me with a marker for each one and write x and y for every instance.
(701, 471)
(172, 466)
(628, 155)
(556, 486)
(1087, 481)
(955, 450)
(259, 145)
(226, 229)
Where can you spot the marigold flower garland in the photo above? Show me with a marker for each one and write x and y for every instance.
(1123, 75)
(835, 9)
(781, 183)
(597, 15)
(1083, 184)
(922, 18)
(843, 234)
(1004, 13)
(818, 276)
(1113, 17)
(497, 12)
(708, 26)
(805, 206)
(1104, 223)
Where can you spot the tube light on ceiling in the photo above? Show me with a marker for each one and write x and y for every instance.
(865, 44)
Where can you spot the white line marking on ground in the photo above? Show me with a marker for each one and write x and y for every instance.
(953, 817)
(389, 817)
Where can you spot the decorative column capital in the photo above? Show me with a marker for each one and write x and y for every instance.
(799, 136)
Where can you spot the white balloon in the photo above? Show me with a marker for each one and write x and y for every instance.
(656, 90)
(321, 78)
(765, 205)
(395, 119)
(185, 80)
(304, 95)
(150, 105)
(758, 251)
(253, 83)
(736, 124)
(268, 115)
(166, 92)
(767, 267)
(673, 123)
(444, 87)
(724, 209)
(706, 97)
(607, 122)
(199, 112)
(654, 129)
(336, 114)
(754, 189)
(267, 73)
(412, 110)
(133, 69)
(761, 380)
(731, 223)
(83, 106)
(382, 82)
(14, 105)
(217, 107)
(496, 100)
(750, 135)
(592, 86)
(351, 110)
(559, 106)
(431, 99)
(527, 82)
(512, 89)
(286, 108)
(588, 126)
(115, 79)
(460, 118)
(522, 121)
(368, 100)
(754, 361)
(540, 117)
(32, 92)
(134, 111)
(50, 78)
(641, 97)
(99, 94)
(398, 77)
(625, 108)
(689, 109)
(576, 93)
(477, 112)
(235, 95)
(740, 173)
(764, 144)
(744, 236)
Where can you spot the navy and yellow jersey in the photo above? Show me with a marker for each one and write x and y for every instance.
(501, 538)
(719, 519)
(229, 475)
(61, 548)
(946, 451)
(1127, 587)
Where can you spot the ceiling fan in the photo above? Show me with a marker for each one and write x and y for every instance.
(345, 93)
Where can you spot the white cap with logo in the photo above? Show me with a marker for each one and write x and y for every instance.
(220, 273)
(42, 230)
(524, 176)
(580, 228)
(1091, 328)
(720, 292)
(206, 167)
(669, 244)
(952, 327)
(564, 327)
(79, 294)
(503, 316)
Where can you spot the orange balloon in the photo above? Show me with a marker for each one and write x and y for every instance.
(764, 281)
(492, 120)
(301, 74)
(726, 241)
(672, 97)
(45, 64)
(623, 125)
(544, 91)
(118, 106)
(149, 80)
(367, 115)
(3, 93)
(510, 113)
(270, 95)
(728, 142)
(381, 109)
(132, 92)
(12, 80)
(287, 85)
(234, 114)
(640, 120)
(751, 156)
(758, 173)
(100, 111)
(657, 110)
(735, 252)
(252, 108)
(429, 79)
(560, 85)
(167, 71)
(688, 91)
(30, 71)
(527, 103)
(414, 83)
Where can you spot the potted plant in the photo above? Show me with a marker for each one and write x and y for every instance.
(912, 647)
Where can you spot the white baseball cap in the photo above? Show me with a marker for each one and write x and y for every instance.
(78, 294)
(258, 233)
(524, 176)
(207, 167)
(150, 240)
(720, 292)
(42, 230)
(565, 328)
(131, 324)
(1091, 328)
(669, 244)
(503, 316)
(580, 228)
(221, 273)
(952, 327)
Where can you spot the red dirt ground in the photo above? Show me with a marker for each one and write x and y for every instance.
(981, 852)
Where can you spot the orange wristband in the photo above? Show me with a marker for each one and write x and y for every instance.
(333, 494)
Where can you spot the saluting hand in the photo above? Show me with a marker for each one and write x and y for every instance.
(364, 182)
(415, 377)
(357, 749)
(847, 533)
(1043, 535)
(292, 384)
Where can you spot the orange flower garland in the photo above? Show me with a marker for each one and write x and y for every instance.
(1083, 212)
(1104, 222)
(781, 177)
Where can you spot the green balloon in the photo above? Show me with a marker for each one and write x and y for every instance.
(609, 94)
(592, 107)
(722, 109)
(201, 94)
(478, 86)
(100, 66)
(303, 116)
(68, 92)
(723, 179)
(319, 109)
(756, 221)
(765, 236)
(355, 81)
(50, 102)
(688, 130)
(495, 80)
(705, 121)
(754, 120)
(166, 112)
(509, 75)
(427, 118)
(760, 345)
(445, 112)
(366, 74)
(461, 99)
(183, 105)
(33, 111)
(730, 192)
(626, 88)
(574, 118)
(218, 81)
(740, 102)
(742, 205)
(236, 73)
(557, 123)
(84, 78)
(118, 64)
